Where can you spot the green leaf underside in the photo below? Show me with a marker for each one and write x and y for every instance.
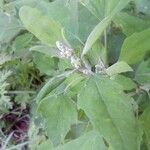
(135, 47)
(52, 84)
(112, 8)
(51, 52)
(59, 113)
(130, 24)
(45, 64)
(22, 41)
(89, 141)
(110, 111)
(9, 27)
(46, 145)
(103, 8)
(72, 110)
(118, 67)
(142, 75)
(45, 29)
(145, 122)
(125, 82)
(95, 34)
(98, 51)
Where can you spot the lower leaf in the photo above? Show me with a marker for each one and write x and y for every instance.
(59, 113)
(110, 112)
(89, 141)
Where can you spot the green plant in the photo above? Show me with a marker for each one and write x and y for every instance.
(93, 56)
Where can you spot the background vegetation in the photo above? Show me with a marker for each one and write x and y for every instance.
(74, 74)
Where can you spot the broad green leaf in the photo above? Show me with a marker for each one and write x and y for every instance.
(110, 112)
(74, 82)
(71, 16)
(145, 121)
(115, 41)
(63, 12)
(130, 24)
(95, 34)
(89, 141)
(51, 52)
(142, 75)
(64, 64)
(74, 79)
(73, 8)
(97, 52)
(125, 82)
(45, 29)
(103, 8)
(85, 25)
(96, 7)
(59, 112)
(79, 129)
(135, 47)
(46, 145)
(9, 27)
(71, 86)
(118, 67)
(112, 8)
(52, 84)
(143, 100)
(22, 41)
(44, 63)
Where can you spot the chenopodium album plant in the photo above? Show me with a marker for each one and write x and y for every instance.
(96, 100)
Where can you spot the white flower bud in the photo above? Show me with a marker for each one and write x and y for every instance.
(65, 51)
(100, 67)
(62, 55)
(59, 45)
(75, 61)
(68, 54)
(86, 71)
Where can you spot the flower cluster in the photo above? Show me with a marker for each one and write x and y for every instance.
(65, 51)
(75, 61)
(86, 71)
(100, 67)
